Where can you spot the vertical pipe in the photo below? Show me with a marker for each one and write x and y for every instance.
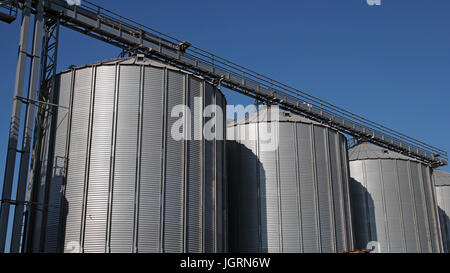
(28, 131)
(14, 125)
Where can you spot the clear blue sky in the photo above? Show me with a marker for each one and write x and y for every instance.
(388, 63)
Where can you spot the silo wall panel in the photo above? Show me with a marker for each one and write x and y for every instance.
(245, 194)
(194, 191)
(76, 169)
(270, 203)
(443, 198)
(338, 192)
(54, 213)
(125, 160)
(219, 196)
(323, 191)
(441, 182)
(308, 189)
(130, 185)
(393, 204)
(408, 216)
(289, 190)
(174, 171)
(98, 184)
(149, 237)
(284, 199)
(209, 190)
(432, 212)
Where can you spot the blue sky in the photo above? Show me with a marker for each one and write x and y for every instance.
(388, 63)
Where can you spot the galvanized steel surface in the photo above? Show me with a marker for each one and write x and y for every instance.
(294, 199)
(393, 202)
(442, 185)
(120, 182)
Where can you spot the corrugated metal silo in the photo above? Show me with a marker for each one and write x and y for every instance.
(119, 181)
(290, 199)
(393, 202)
(442, 184)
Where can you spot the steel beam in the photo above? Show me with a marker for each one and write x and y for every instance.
(47, 109)
(15, 124)
(28, 131)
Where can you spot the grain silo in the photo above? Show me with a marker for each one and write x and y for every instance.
(119, 181)
(442, 185)
(393, 202)
(288, 197)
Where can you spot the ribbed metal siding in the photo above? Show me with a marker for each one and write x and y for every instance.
(209, 181)
(194, 229)
(338, 190)
(174, 174)
(441, 181)
(393, 204)
(53, 228)
(125, 160)
(443, 199)
(151, 164)
(130, 186)
(270, 201)
(289, 197)
(99, 161)
(284, 200)
(433, 215)
(219, 196)
(76, 169)
(307, 188)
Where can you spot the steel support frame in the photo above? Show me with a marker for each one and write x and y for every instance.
(27, 132)
(14, 124)
(46, 114)
(45, 45)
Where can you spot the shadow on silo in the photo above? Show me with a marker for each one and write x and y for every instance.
(363, 215)
(445, 229)
(247, 224)
(40, 236)
(59, 211)
(62, 231)
(57, 234)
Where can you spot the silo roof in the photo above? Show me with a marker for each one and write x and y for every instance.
(367, 150)
(441, 178)
(263, 116)
(134, 60)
